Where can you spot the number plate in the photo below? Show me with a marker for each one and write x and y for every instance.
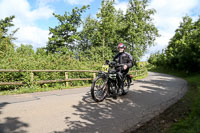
(105, 68)
(112, 76)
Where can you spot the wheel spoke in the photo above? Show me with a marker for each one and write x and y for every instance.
(100, 89)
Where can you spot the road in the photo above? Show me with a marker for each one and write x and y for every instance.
(73, 110)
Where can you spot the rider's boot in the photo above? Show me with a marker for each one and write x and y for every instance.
(114, 96)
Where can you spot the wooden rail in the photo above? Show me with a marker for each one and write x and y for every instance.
(67, 80)
(11, 70)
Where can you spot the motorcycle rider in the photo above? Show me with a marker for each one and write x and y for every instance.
(125, 59)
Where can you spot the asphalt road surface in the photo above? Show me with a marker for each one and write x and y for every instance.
(74, 111)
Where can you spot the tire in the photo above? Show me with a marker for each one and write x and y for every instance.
(127, 84)
(99, 89)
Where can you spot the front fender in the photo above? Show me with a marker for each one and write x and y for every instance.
(103, 74)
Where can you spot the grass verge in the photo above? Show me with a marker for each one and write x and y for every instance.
(182, 117)
(36, 88)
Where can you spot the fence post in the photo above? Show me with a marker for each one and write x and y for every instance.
(66, 78)
(94, 75)
(32, 77)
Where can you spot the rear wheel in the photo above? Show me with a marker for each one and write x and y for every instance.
(127, 84)
(99, 89)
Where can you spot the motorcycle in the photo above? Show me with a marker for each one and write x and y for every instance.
(106, 83)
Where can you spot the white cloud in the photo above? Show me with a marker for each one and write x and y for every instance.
(170, 12)
(121, 6)
(22, 10)
(175, 7)
(160, 43)
(79, 2)
(25, 19)
(168, 16)
(32, 35)
(45, 2)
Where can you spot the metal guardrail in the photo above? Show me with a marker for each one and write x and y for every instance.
(67, 80)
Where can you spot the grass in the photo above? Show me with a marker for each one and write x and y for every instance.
(35, 88)
(191, 123)
(141, 77)
(184, 116)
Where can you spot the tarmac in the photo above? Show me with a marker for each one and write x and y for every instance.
(74, 111)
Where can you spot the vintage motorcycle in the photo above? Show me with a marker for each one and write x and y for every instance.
(106, 84)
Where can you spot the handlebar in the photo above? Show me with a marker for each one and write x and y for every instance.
(114, 64)
(119, 65)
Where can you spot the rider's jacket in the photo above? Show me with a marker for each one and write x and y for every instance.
(124, 58)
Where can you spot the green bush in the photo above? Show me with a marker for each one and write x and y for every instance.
(24, 58)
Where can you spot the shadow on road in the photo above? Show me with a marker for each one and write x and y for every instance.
(11, 124)
(93, 117)
(2, 105)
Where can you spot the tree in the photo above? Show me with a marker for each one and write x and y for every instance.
(101, 33)
(6, 39)
(178, 45)
(135, 28)
(89, 34)
(25, 50)
(183, 50)
(65, 34)
(107, 24)
(140, 30)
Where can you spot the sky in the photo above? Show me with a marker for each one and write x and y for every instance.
(34, 17)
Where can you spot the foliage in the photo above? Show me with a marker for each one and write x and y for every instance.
(65, 35)
(5, 24)
(183, 50)
(107, 25)
(140, 32)
(75, 44)
(24, 58)
(112, 26)
(6, 45)
(89, 34)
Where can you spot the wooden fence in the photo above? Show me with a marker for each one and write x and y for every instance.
(67, 80)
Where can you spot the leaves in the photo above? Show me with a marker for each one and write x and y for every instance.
(78, 44)
(6, 45)
(111, 27)
(182, 52)
(65, 34)
(140, 30)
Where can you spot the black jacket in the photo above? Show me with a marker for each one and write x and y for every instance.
(124, 58)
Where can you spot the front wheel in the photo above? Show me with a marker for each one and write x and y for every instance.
(99, 89)
(127, 84)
